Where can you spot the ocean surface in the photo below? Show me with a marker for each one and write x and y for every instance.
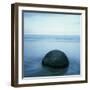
(37, 46)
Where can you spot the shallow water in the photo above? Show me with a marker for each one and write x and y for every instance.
(35, 50)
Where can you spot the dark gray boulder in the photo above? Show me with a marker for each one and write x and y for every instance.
(55, 59)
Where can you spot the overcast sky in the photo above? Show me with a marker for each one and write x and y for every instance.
(53, 24)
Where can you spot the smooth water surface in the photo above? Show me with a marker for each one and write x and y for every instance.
(36, 49)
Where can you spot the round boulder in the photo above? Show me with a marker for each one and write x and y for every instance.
(55, 59)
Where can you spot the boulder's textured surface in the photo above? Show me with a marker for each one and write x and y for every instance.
(55, 59)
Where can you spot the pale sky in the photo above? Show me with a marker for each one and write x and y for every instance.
(52, 24)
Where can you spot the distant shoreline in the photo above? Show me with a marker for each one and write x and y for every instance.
(52, 37)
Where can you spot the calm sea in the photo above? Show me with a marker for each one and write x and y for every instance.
(37, 46)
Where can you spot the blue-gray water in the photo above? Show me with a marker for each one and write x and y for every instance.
(36, 47)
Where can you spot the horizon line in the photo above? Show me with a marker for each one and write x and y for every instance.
(49, 34)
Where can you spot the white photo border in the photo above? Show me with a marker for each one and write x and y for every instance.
(52, 78)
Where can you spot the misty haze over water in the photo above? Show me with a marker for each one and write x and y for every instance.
(37, 46)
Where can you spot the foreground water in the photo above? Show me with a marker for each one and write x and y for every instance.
(35, 50)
